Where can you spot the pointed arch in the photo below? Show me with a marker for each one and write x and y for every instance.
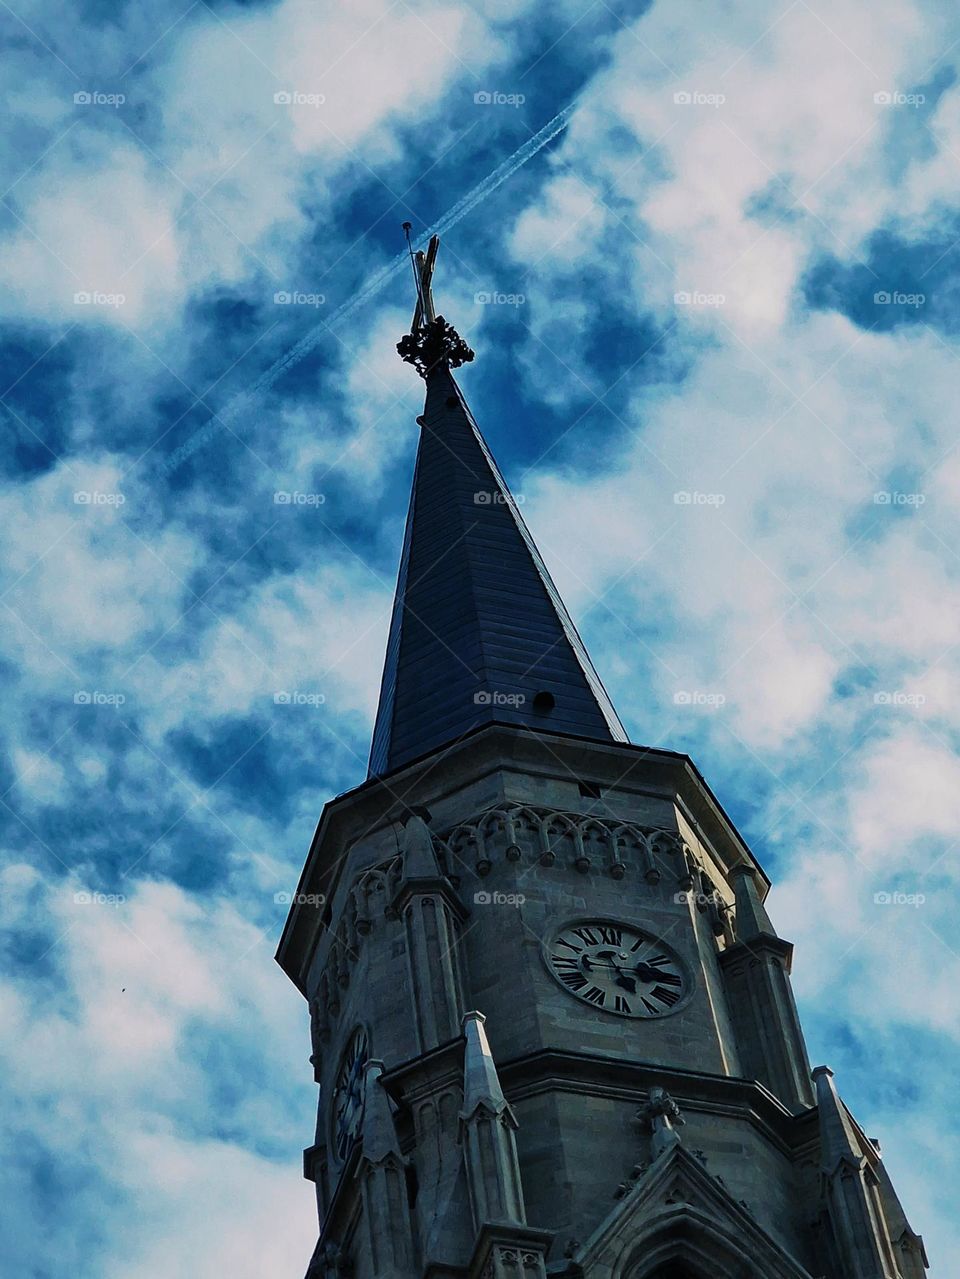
(683, 1242)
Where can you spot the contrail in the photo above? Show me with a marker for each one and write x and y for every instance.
(244, 400)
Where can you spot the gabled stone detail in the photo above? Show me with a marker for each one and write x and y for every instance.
(677, 1212)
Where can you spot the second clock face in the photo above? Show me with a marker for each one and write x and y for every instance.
(348, 1094)
(617, 967)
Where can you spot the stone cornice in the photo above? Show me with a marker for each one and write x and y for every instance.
(552, 1070)
(490, 750)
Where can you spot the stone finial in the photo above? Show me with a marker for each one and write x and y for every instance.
(663, 1115)
(481, 1083)
(752, 918)
(378, 1132)
(419, 854)
(838, 1138)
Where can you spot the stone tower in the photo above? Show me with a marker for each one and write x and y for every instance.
(551, 1020)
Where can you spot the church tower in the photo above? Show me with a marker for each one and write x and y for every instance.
(552, 1023)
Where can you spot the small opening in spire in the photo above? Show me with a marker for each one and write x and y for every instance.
(590, 790)
(543, 702)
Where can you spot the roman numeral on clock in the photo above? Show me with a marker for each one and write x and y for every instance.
(573, 980)
(621, 1005)
(665, 995)
(671, 979)
(595, 995)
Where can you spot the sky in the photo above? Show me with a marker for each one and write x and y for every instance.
(716, 322)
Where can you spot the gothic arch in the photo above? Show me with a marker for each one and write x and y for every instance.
(687, 1245)
(684, 1243)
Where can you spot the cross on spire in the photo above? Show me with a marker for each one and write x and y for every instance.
(432, 343)
(423, 265)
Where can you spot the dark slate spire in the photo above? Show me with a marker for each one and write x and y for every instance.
(479, 633)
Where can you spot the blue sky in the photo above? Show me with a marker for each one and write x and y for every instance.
(725, 388)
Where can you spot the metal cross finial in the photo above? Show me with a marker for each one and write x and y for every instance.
(431, 342)
(423, 266)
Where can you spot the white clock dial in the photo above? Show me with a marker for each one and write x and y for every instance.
(617, 967)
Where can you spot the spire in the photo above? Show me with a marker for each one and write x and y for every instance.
(481, 1083)
(479, 633)
(752, 919)
(838, 1136)
(419, 855)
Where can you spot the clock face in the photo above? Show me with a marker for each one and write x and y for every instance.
(348, 1094)
(618, 968)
